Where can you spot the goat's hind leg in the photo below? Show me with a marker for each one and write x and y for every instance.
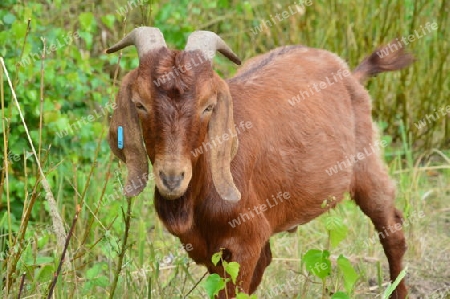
(375, 195)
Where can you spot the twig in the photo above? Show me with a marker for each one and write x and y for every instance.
(16, 252)
(22, 283)
(102, 237)
(56, 218)
(41, 108)
(447, 159)
(127, 217)
(193, 288)
(88, 181)
(63, 254)
(6, 129)
(100, 201)
(16, 79)
(4, 171)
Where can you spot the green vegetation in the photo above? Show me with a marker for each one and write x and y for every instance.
(214, 283)
(65, 85)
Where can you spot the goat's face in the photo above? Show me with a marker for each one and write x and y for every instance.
(175, 106)
(183, 107)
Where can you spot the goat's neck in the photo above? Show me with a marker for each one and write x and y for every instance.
(178, 215)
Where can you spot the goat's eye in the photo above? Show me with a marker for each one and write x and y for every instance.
(208, 109)
(141, 107)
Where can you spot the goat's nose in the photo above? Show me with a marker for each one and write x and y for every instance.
(171, 181)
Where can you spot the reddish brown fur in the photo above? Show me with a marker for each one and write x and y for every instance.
(288, 149)
(374, 64)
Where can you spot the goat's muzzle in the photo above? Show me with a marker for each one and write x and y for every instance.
(172, 175)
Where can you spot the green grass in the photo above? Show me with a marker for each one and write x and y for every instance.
(77, 79)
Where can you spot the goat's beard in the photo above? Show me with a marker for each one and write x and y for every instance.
(171, 196)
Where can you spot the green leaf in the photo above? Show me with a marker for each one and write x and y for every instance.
(9, 19)
(317, 262)
(40, 260)
(338, 230)
(340, 295)
(42, 241)
(348, 272)
(223, 4)
(248, 9)
(391, 287)
(213, 285)
(109, 20)
(245, 296)
(93, 272)
(102, 281)
(88, 39)
(232, 268)
(27, 13)
(216, 257)
(19, 29)
(44, 273)
(87, 21)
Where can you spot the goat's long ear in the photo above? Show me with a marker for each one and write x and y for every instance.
(131, 150)
(221, 123)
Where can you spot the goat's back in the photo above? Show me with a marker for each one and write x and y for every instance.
(298, 100)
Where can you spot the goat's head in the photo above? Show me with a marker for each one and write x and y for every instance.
(180, 103)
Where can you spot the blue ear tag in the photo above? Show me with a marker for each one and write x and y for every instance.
(120, 137)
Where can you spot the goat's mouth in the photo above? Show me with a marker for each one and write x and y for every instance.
(172, 177)
(170, 195)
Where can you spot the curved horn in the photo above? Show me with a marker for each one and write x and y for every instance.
(208, 42)
(144, 38)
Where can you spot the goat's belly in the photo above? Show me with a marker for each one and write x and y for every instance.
(307, 190)
(299, 210)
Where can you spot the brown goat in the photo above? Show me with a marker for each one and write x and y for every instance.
(298, 111)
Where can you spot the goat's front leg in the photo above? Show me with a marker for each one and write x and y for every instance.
(264, 260)
(247, 257)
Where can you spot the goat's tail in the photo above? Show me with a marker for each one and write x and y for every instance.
(390, 57)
